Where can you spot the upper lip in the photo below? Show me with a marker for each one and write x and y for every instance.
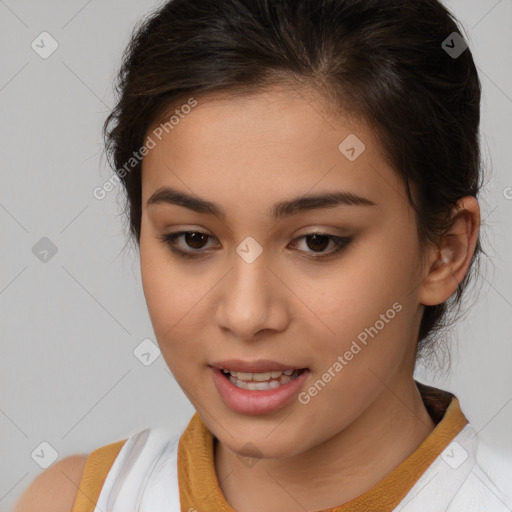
(259, 366)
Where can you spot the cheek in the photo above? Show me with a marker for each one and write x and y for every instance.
(167, 297)
(369, 300)
(365, 284)
(156, 283)
(166, 308)
(173, 296)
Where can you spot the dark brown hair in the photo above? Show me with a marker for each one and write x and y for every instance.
(381, 59)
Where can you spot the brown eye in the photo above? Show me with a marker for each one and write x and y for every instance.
(195, 239)
(318, 242)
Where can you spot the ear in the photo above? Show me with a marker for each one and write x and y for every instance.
(448, 263)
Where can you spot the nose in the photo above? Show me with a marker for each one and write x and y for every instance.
(252, 299)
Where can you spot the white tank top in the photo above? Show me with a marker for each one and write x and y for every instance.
(144, 477)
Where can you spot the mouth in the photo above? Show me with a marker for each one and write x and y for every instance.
(258, 392)
(261, 381)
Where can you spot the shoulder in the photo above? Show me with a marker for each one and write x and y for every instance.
(55, 489)
(488, 483)
(495, 468)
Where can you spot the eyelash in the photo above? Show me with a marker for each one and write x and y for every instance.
(341, 243)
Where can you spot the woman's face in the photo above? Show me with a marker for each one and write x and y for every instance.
(259, 286)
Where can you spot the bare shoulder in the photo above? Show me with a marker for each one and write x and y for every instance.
(55, 489)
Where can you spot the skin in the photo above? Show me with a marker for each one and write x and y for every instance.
(245, 154)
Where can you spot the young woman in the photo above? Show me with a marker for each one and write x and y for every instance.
(301, 180)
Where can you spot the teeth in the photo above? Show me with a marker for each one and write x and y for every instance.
(260, 381)
(259, 377)
(261, 386)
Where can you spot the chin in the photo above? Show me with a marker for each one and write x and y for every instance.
(263, 448)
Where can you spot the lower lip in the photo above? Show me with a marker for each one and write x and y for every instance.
(260, 401)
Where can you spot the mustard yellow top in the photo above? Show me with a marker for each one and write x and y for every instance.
(199, 487)
(96, 469)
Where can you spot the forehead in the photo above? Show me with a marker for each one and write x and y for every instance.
(277, 143)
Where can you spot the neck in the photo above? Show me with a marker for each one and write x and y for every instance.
(336, 471)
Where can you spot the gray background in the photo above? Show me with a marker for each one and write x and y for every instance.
(69, 326)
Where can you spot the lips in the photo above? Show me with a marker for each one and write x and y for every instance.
(244, 400)
(258, 366)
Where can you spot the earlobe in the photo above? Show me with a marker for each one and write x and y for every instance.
(453, 255)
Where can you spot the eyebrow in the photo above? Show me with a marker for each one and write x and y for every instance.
(279, 210)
